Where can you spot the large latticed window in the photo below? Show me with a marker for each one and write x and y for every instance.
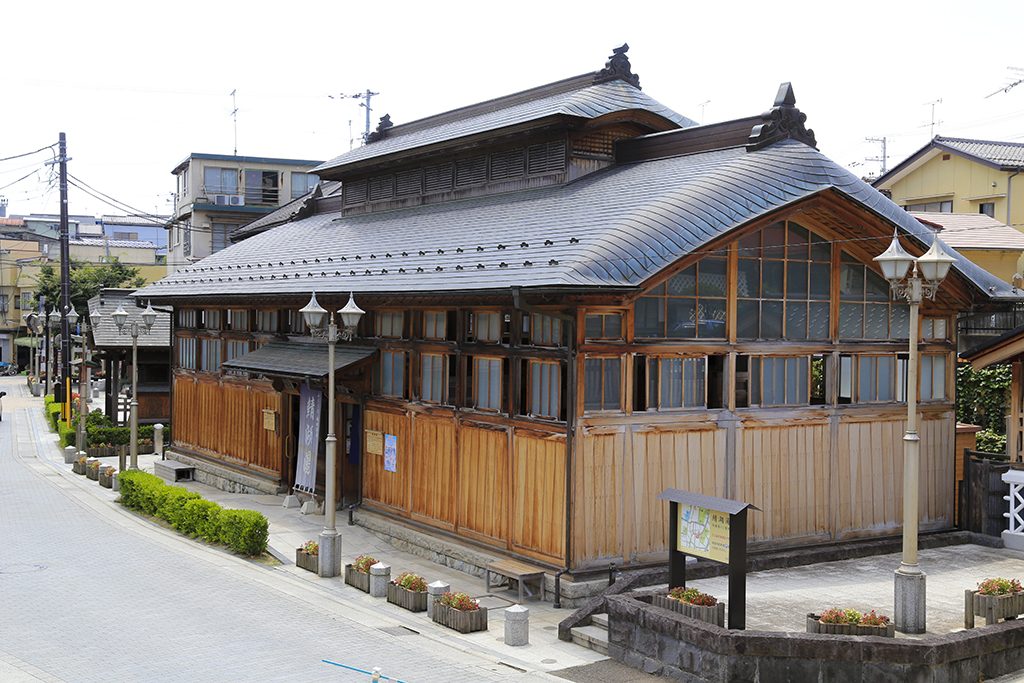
(545, 389)
(676, 383)
(770, 381)
(487, 375)
(389, 324)
(435, 325)
(186, 317)
(210, 355)
(187, 353)
(872, 378)
(392, 373)
(542, 330)
(691, 304)
(602, 383)
(433, 377)
(603, 326)
(783, 284)
(486, 326)
(865, 308)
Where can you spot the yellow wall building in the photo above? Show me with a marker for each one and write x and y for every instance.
(989, 243)
(19, 267)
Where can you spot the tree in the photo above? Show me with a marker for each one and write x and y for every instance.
(87, 279)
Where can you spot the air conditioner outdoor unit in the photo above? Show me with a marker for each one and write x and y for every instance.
(229, 199)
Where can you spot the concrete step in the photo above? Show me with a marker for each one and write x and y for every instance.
(593, 637)
(600, 620)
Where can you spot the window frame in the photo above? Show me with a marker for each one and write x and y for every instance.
(440, 318)
(443, 358)
(474, 387)
(554, 393)
(655, 391)
(384, 324)
(620, 402)
(397, 360)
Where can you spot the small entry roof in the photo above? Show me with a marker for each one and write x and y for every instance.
(726, 505)
(306, 360)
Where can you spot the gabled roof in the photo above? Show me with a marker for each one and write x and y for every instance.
(613, 228)
(285, 212)
(973, 231)
(576, 97)
(106, 335)
(1005, 156)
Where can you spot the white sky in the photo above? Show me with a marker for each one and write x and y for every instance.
(138, 86)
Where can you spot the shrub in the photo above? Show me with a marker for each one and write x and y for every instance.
(693, 597)
(52, 414)
(991, 442)
(363, 563)
(311, 548)
(66, 434)
(244, 531)
(138, 490)
(460, 601)
(999, 586)
(173, 504)
(411, 582)
(200, 518)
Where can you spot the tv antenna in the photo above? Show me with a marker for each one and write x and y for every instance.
(702, 105)
(1018, 74)
(366, 98)
(932, 104)
(884, 157)
(234, 116)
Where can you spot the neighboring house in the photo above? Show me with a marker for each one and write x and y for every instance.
(19, 262)
(989, 243)
(959, 175)
(137, 228)
(114, 352)
(577, 298)
(217, 193)
(135, 253)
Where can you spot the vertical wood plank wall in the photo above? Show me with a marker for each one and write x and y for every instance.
(815, 480)
(516, 501)
(203, 406)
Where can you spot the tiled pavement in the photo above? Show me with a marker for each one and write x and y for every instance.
(89, 592)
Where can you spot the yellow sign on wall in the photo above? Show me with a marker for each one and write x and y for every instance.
(270, 419)
(374, 442)
(703, 532)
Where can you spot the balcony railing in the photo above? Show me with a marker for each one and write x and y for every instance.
(241, 196)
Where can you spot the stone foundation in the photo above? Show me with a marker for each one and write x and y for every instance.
(223, 478)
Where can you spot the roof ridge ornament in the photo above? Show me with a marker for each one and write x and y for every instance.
(618, 68)
(783, 121)
(382, 128)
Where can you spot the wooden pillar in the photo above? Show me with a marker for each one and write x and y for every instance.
(1013, 432)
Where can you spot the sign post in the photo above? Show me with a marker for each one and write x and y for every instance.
(715, 529)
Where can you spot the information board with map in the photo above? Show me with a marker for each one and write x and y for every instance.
(703, 533)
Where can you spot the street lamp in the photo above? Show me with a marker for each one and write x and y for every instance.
(53, 320)
(933, 266)
(133, 330)
(313, 313)
(30, 325)
(83, 377)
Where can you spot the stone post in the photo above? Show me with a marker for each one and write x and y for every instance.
(70, 454)
(380, 575)
(434, 591)
(158, 440)
(517, 625)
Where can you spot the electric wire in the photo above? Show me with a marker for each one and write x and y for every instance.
(28, 154)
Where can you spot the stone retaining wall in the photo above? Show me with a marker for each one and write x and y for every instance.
(661, 641)
(223, 478)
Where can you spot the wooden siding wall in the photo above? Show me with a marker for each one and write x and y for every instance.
(516, 500)
(202, 408)
(815, 480)
(154, 406)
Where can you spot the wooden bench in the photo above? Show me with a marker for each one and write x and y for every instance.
(520, 572)
(172, 470)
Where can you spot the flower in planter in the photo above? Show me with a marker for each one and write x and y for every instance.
(852, 616)
(693, 597)
(999, 586)
(363, 563)
(109, 471)
(873, 619)
(82, 459)
(459, 601)
(411, 582)
(311, 548)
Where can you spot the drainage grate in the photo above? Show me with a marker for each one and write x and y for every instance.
(399, 631)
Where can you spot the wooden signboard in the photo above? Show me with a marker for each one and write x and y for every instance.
(374, 442)
(270, 419)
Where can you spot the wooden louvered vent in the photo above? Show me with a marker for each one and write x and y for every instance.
(471, 171)
(409, 183)
(438, 178)
(546, 158)
(354, 192)
(382, 187)
(510, 164)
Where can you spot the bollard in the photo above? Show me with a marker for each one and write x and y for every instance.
(376, 675)
(434, 591)
(380, 575)
(517, 626)
(158, 440)
(70, 454)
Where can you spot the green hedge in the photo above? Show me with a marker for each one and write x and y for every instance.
(52, 413)
(99, 434)
(66, 433)
(244, 531)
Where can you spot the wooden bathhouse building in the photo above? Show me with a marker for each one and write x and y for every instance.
(577, 298)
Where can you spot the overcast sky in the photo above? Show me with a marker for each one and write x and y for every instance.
(138, 86)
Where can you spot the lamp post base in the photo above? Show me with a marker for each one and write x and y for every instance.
(909, 615)
(329, 563)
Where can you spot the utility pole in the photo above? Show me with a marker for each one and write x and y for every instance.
(884, 158)
(366, 98)
(65, 284)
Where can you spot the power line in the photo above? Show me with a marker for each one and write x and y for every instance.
(28, 154)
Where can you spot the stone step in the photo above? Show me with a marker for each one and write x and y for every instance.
(600, 620)
(593, 637)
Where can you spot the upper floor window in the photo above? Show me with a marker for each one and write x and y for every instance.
(675, 383)
(770, 381)
(434, 377)
(435, 325)
(296, 324)
(542, 330)
(209, 355)
(303, 183)
(934, 328)
(691, 304)
(389, 324)
(987, 208)
(865, 309)
(237, 320)
(236, 349)
(602, 383)
(266, 321)
(783, 284)
(187, 353)
(261, 187)
(391, 378)
(933, 377)
(601, 326)
(220, 181)
(872, 378)
(186, 317)
(486, 326)
(209, 319)
(931, 207)
(486, 383)
(545, 387)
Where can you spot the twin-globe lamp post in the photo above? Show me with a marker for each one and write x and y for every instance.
(83, 376)
(53, 320)
(329, 563)
(926, 273)
(133, 330)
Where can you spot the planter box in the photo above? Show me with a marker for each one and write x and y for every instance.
(993, 607)
(463, 622)
(78, 467)
(304, 560)
(105, 481)
(714, 614)
(814, 625)
(92, 469)
(101, 451)
(414, 601)
(357, 579)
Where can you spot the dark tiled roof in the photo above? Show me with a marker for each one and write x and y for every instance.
(614, 228)
(106, 335)
(999, 153)
(300, 359)
(582, 99)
